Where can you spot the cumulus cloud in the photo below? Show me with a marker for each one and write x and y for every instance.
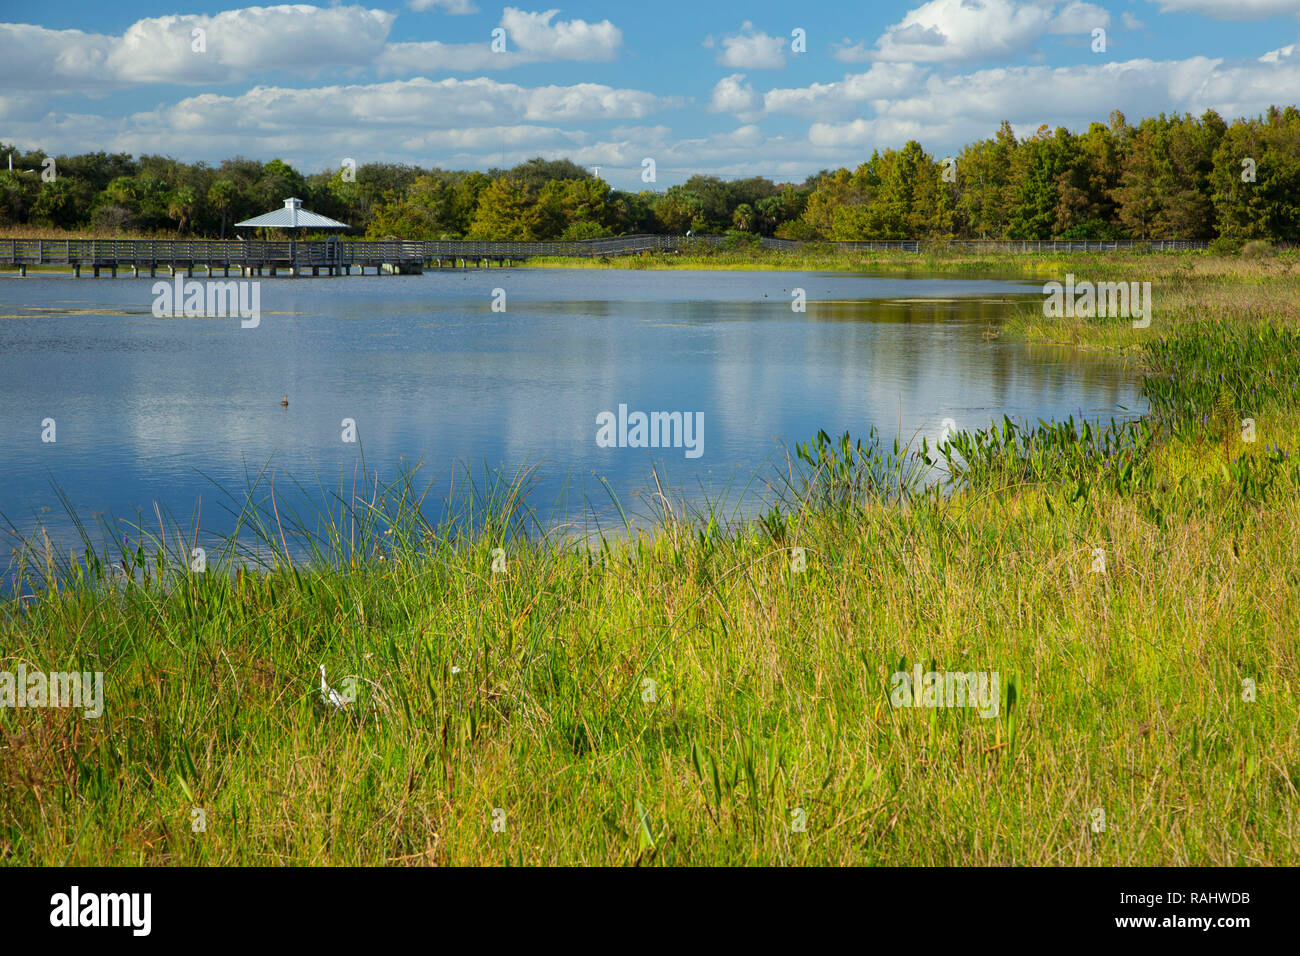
(1078, 17)
(956, 31)
(956, 109)
(418, 102)
(849, 52)
(750, 49)
(880, 83)
(732, 94)
(530, 38)
(237, 45)
(233, 45)
(567, 40)
(448, 122)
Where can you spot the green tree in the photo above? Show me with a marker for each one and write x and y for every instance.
(1255, 180)
(18, 192)
(181, 205)
(503, 213)
(221, 197)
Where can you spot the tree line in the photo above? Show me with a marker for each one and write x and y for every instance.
(1168, 177)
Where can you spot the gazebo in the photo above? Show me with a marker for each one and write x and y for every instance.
(292, 217)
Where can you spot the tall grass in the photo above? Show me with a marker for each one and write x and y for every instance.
(940, 259)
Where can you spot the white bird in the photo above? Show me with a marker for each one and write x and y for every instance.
(328, 694)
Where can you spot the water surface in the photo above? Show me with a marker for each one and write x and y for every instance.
(173, 410)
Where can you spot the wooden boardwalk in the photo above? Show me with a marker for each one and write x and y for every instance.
(402, 257)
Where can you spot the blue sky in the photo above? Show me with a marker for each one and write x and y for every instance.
(698, 87)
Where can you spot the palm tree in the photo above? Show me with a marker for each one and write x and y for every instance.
(221, 196)
(180, 205)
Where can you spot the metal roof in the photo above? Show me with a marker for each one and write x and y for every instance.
(293, 216)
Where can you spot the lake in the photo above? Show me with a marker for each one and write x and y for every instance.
(182, 410)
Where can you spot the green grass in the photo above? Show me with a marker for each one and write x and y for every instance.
(524, 690)
(935, 259)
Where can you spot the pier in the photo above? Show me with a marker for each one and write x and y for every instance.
(342, 257)
(329, 257)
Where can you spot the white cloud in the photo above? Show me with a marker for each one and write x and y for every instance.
(239, 43)
(1232, 9)
(530, 38)
(242, 42)
(453, 7)
(417, 102)
(1131, 22)
(751, 49)
(955, 31)
(41, 60)
(567, 40)
(953, 110)
(299, 39)
(850, 94)
(431, 56)
(732, 94)
(451, 122)
(1079, 17)
(849, 52)
(743, 136)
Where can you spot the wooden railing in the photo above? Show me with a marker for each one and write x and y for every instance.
(374, 252)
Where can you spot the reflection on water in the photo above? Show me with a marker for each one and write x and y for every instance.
(170, 410)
